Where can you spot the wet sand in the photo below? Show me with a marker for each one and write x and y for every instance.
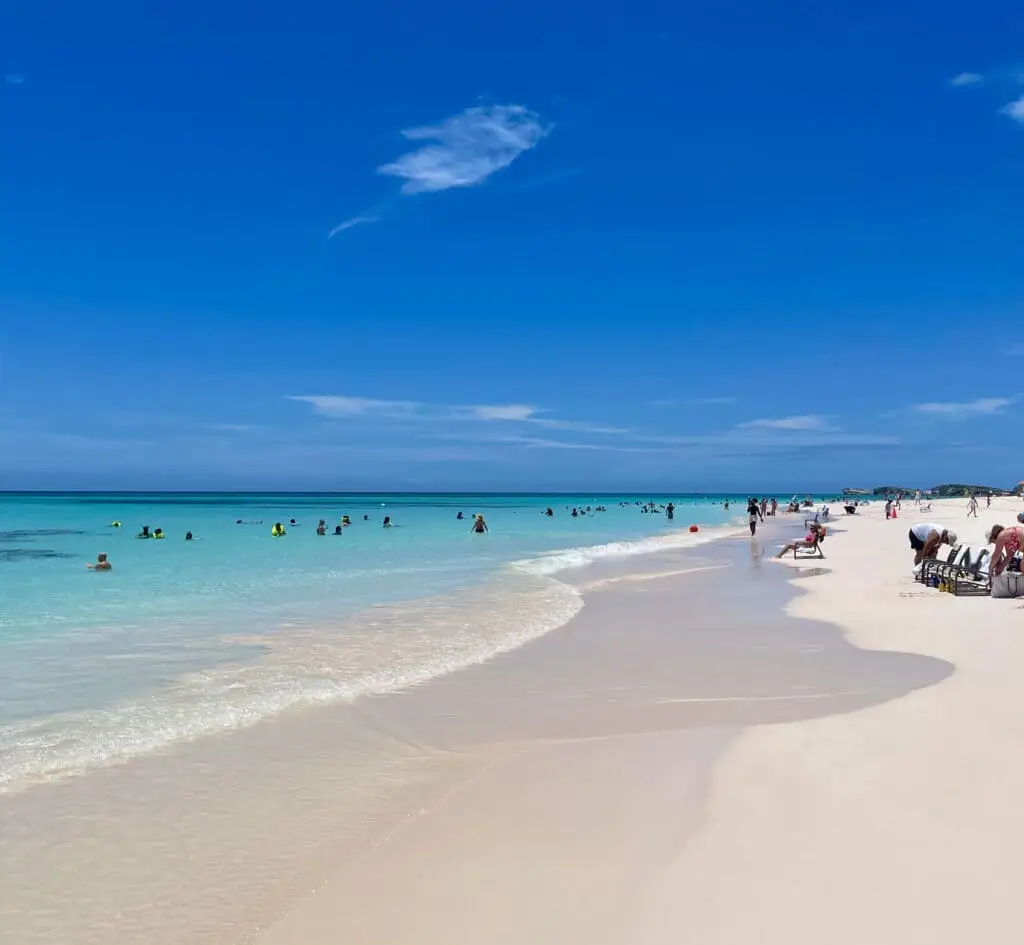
(542, 796)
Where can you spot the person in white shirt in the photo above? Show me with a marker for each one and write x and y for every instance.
(926, 538)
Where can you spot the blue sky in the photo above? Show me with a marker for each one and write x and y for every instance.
(472, 246)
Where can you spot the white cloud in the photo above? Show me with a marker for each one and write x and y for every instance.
(806, 422)
(467, 148)
(502, 412)
(351, 222)
(967, 78)
(234, 427)
(14, 78)
(981, 407)
(340, 408)
(1014, 110)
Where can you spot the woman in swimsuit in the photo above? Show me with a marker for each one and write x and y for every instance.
(1008, 542)
(479, 525)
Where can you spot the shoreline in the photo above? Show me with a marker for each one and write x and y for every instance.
(99, 737)
(299, 802)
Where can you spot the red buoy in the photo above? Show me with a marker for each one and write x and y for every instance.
(693, 528)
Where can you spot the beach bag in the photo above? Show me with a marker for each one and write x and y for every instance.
(1008, 584)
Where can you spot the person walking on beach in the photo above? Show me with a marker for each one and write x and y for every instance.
(753, 513)
(972, 507)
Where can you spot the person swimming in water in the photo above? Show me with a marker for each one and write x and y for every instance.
(338, 530)
(460, 516)
(144, 533)
(102, 564)
(188, 536)
(479, 525)
(321, 528)
(387, 522)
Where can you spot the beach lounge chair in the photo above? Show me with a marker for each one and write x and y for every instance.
(971, 579)
(959, 559)
(810, 549)
(928, 568)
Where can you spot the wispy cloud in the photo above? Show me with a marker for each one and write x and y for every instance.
(331, 405)
(14, 78)
(1017, 350)
(344, 408)
(1003, 78)
(540, 442)
(351, 222)
(983, 406)
(964, 79)
(502, 412)
(1015, 110)
(234, 427)
(806, 422)
(467, 148)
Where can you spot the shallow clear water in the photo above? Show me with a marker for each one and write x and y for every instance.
(186, 638)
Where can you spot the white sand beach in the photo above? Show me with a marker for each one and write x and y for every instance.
(718, 749)
(893, 823)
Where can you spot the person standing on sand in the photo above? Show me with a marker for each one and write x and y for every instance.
(972, 507)
(926, 538)
(753, 512)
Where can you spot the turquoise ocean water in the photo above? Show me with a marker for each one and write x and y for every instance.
(182, 638)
